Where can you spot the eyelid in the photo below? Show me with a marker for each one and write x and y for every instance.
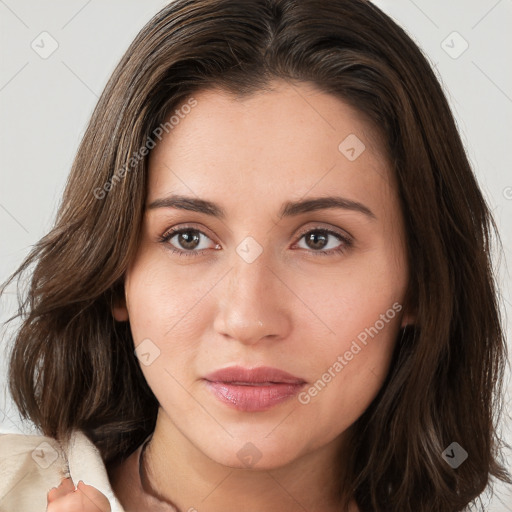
(322, 227)
(183, 227)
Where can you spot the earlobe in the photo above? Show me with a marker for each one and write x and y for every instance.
(120, 311)
(120, 314)
(408, 319)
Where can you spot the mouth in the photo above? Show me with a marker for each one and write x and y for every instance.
(253, 389)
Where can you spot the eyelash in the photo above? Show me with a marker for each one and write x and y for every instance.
(347, 242)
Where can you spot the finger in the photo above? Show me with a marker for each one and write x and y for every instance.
(65, 487)
(85, 499)
(94, 496)
(72, 502)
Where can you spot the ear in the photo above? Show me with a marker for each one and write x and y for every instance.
(408, 318)
(119, 310)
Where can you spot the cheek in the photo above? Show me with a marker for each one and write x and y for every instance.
(164, 305)
(162, 300)
(361, 306)
(354, 296)
(351, 369)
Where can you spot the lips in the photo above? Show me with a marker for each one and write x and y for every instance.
(259, 375)
(253, 389)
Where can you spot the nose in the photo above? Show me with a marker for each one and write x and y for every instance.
(253, 303)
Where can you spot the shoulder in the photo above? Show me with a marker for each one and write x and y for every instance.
(30, 465)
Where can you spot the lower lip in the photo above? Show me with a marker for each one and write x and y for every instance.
(253, 398)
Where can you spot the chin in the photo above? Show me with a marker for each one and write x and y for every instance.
(253, 455)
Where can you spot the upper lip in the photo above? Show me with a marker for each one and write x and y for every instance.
(259, 375)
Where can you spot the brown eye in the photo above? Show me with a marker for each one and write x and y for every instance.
(317, 240)
(187, 241)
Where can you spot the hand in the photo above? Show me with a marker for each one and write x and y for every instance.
(85, 498)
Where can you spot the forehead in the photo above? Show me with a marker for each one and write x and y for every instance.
(287, 139)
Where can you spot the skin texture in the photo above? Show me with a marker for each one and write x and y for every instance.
(291, 308)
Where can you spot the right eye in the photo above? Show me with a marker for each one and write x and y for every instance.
(186, 241)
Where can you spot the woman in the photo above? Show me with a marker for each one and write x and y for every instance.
(255, 295)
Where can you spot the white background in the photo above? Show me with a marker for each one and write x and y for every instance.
(45, 104)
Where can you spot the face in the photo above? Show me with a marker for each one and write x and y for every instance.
(264, 276)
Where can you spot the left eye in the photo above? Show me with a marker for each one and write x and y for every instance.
(318, 241)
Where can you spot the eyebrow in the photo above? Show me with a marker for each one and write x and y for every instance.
(289, 208)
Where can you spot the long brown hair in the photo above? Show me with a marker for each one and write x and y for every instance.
(73, 366)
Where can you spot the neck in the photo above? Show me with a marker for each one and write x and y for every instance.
(175, 471)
